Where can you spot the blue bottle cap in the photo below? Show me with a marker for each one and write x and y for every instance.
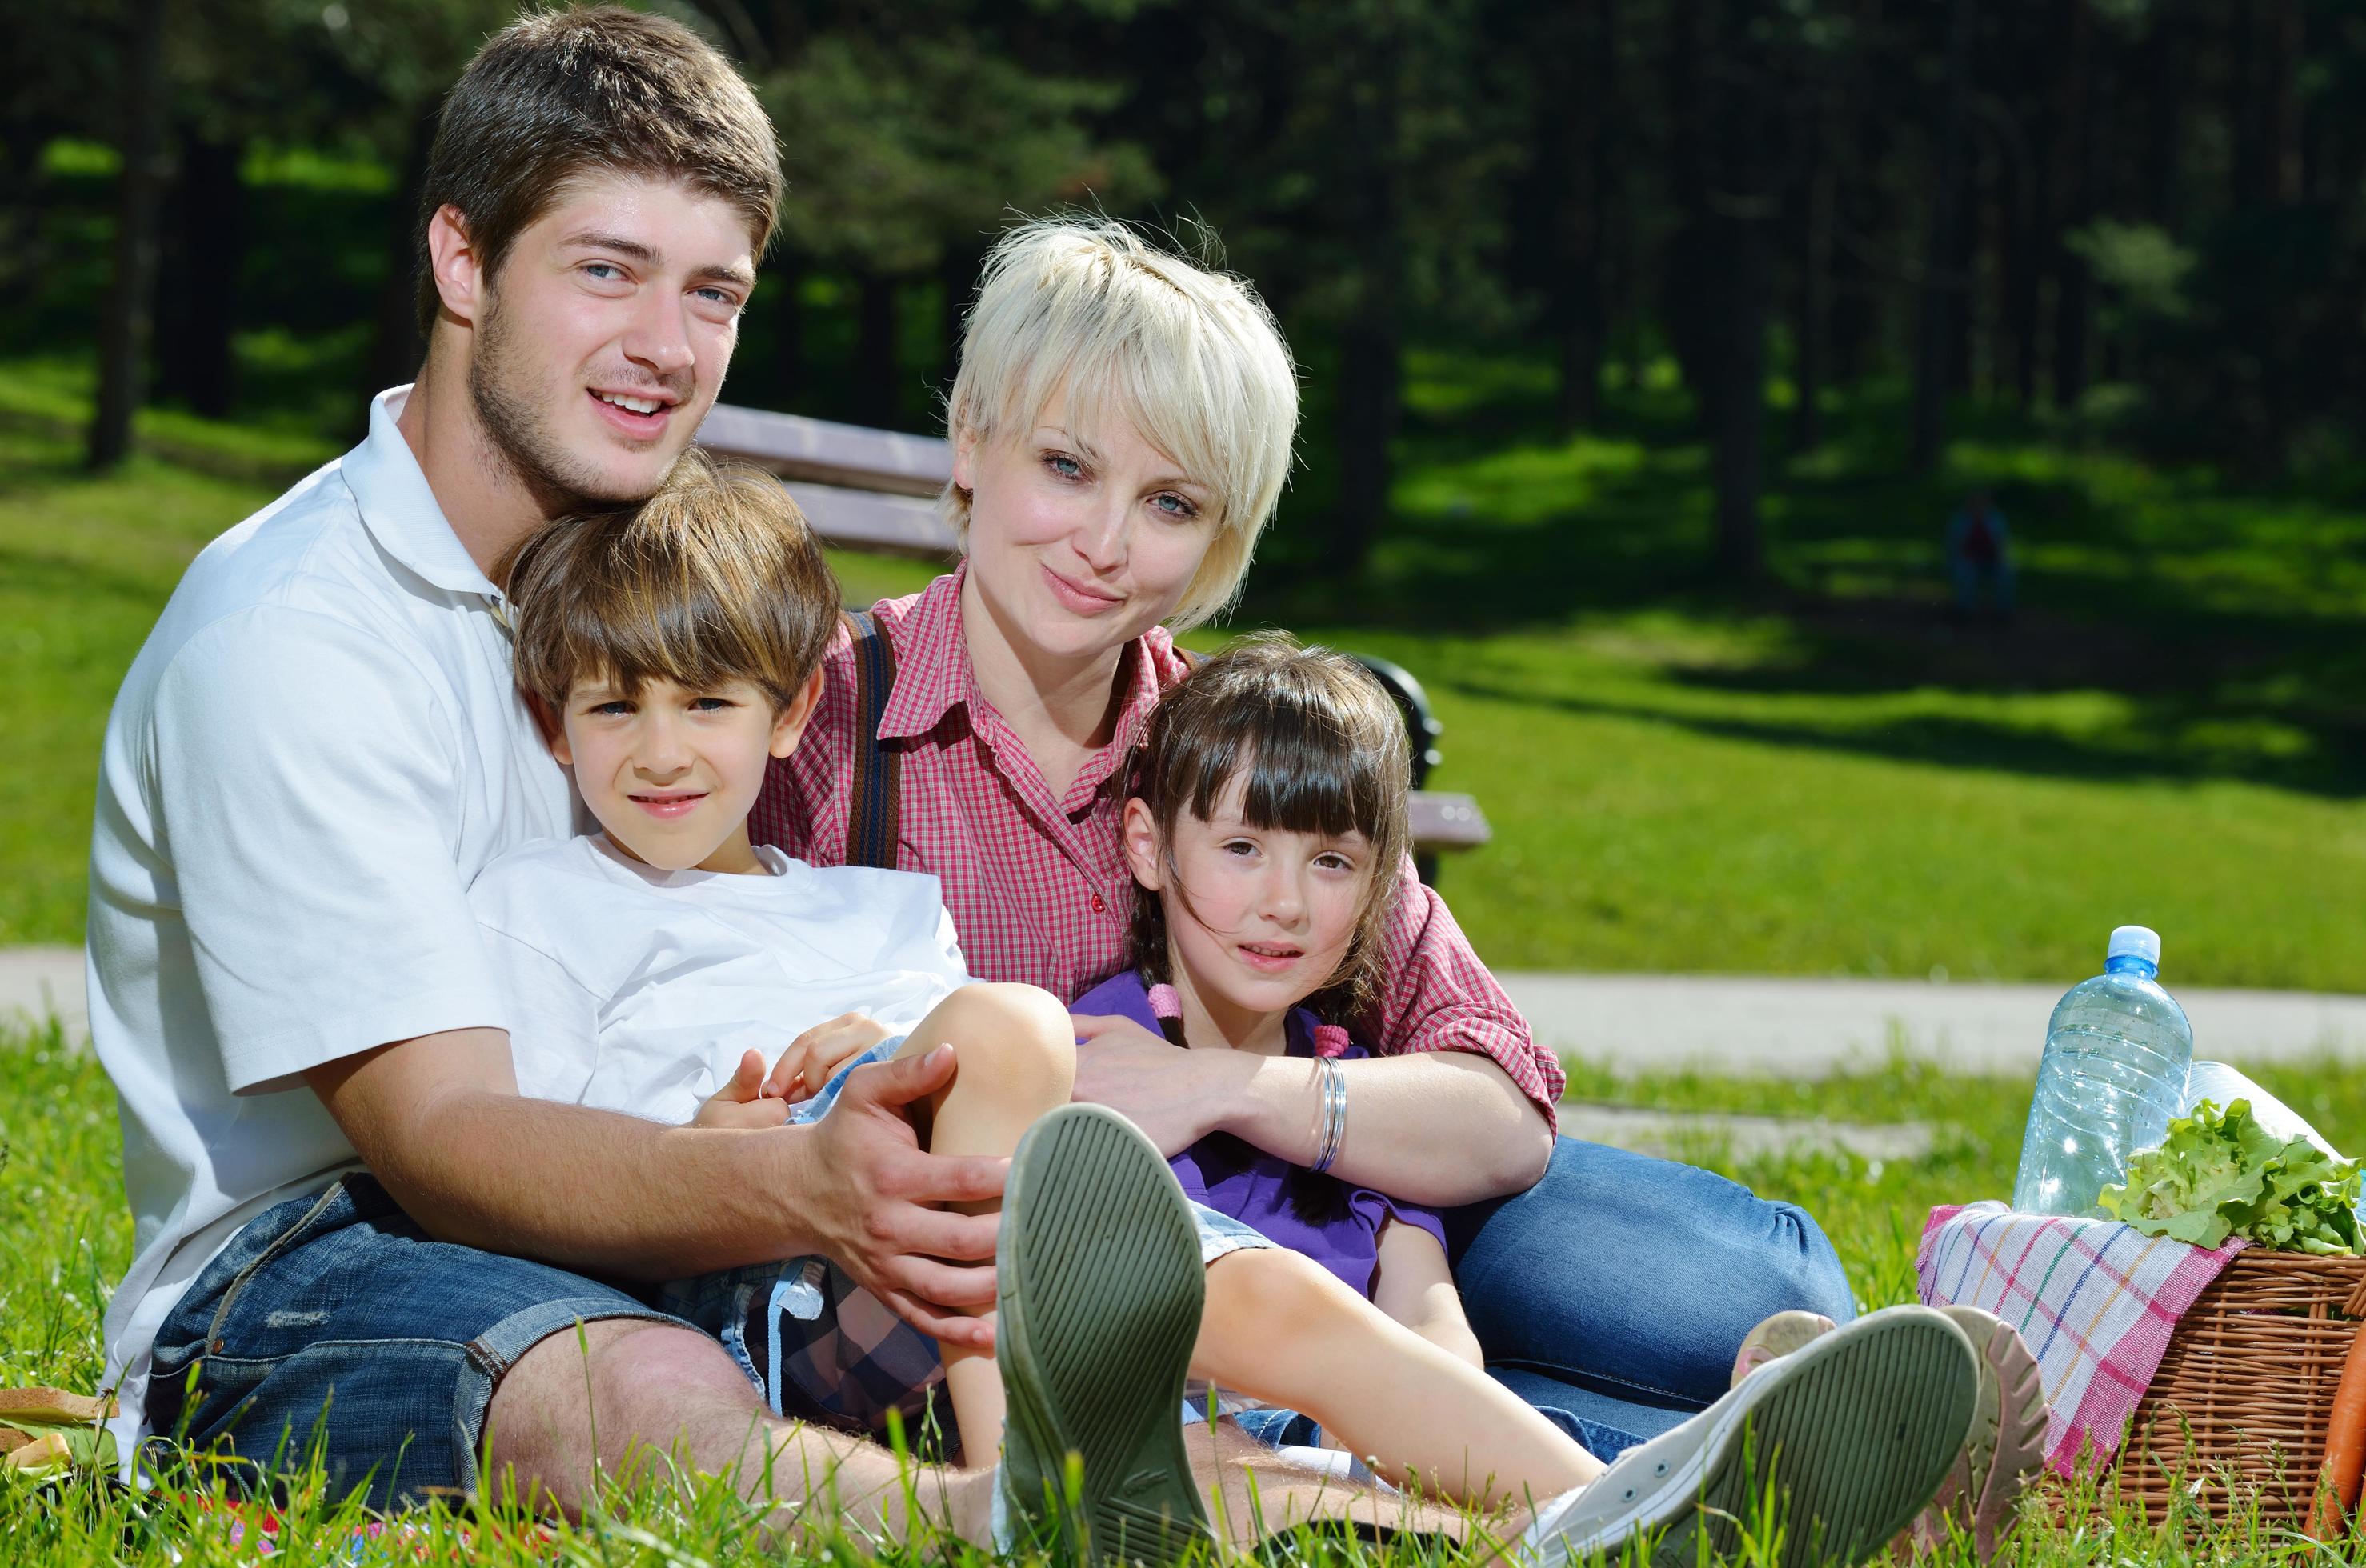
(2135, 941)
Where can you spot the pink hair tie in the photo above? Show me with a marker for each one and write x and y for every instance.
(1165, 1002)
(1330, 1040)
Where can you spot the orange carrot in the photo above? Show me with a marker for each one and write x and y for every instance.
(2344, 1446)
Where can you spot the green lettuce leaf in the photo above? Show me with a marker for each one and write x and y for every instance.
(2220, 1173)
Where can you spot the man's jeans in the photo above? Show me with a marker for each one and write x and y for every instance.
(1619, 1287)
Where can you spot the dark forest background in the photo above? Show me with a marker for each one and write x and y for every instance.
(2141, 219)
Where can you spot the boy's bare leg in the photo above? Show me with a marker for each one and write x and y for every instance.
(1015, 1058)
(1282, 1327)
(561, 1419)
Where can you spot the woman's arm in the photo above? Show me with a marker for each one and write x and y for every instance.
(1413, 1287)
(1457, 1110)
(1444, 1128)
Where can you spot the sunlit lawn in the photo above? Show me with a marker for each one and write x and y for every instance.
(1825, 777)
(62, 1207)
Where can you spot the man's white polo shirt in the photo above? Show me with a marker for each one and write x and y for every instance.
(315, 752)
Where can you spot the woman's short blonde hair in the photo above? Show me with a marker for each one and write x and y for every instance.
(1084, 313)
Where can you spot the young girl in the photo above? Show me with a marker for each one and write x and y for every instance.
(1265, 827)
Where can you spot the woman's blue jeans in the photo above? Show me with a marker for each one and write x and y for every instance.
(1619, 1287)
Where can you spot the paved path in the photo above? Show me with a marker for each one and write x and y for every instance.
(36, 982)
(1730, 1023)
(1737, 1023)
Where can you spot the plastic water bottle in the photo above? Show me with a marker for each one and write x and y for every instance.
(2114, 1075)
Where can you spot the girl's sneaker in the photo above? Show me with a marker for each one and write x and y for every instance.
(2003, 1451)
(1846, 1437)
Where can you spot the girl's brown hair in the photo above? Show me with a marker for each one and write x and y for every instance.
(1318, 747)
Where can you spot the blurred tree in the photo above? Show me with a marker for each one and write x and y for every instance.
(124, 330)
(1946, 269)
(912, 137)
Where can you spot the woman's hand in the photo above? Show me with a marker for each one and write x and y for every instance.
(1176, 1097)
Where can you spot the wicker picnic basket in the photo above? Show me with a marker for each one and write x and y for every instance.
(2239, 1408)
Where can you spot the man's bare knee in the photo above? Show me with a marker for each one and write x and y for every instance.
(586, 1397)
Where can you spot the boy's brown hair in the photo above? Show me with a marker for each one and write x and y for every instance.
(1318, 747)
(592, 90)
(716, 578)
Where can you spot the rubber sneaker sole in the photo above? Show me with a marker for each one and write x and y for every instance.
(1098, 1289)
(2005, 1448)
(1850, 1434)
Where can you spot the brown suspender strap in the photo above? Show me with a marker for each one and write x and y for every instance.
(871, 815)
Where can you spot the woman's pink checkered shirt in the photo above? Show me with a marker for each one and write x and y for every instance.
(1038, 887)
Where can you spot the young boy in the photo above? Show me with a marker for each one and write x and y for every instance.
(664, 967)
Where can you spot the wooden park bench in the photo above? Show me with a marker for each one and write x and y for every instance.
(876, 490)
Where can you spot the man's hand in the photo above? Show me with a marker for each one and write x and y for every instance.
(1176, 1097)
(870, 1193)
(804, 1067)
(745, 1100)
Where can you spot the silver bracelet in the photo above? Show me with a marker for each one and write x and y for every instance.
(1334, 1114)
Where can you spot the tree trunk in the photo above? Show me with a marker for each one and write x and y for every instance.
(129, 309)
(1739, 405)
(1370, 351)
(204, 247)
(1370, 405)
(398, 345)
(875, 381)
(957, 275)
(1813, 334)
(786, 302)
(1739, 210)
(2074, 285)
(1580, 287)
(1944, 266)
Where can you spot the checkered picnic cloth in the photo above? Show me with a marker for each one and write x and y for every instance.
(2095, 1299)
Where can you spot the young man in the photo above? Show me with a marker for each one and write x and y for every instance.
(336, 1183)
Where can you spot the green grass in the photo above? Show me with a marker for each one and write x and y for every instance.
(1821, 777)
(60, 1205)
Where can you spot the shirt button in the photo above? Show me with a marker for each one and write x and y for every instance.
(1098, 907)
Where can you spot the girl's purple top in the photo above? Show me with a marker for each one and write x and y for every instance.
(1256, 1192)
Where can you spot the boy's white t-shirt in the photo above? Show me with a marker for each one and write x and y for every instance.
(636, 989)
(315, 750)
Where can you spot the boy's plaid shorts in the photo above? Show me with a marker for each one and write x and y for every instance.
(825, 1350)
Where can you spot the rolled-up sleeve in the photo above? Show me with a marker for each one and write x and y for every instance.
(1439, 996)
(309, 789)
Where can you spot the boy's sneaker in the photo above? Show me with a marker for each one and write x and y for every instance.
(1848, 1435)
(2003, 1451)
(1097, 1288)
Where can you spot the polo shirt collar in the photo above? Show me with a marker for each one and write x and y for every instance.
(399, 510)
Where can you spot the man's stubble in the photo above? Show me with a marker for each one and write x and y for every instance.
(519, 432)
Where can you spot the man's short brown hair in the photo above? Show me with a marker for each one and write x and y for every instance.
(714, 579)
(592, 90)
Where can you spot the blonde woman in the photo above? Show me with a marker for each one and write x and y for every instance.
(1122, 424)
